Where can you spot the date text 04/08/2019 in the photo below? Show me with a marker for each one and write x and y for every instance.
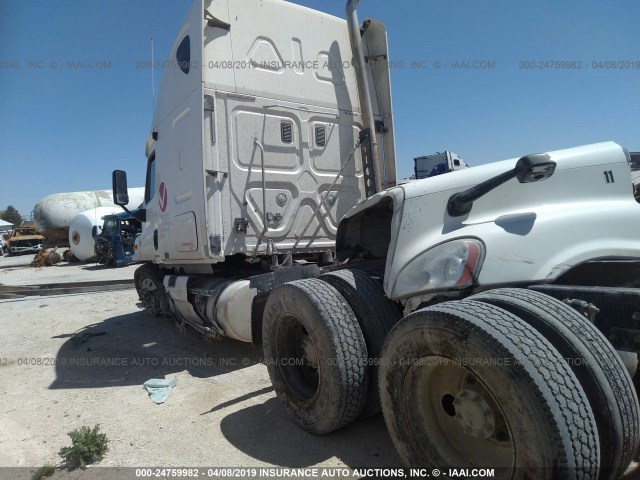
(310, 472)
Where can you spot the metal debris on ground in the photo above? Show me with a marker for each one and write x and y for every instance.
(46, 258)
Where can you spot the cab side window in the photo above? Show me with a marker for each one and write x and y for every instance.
(150, 183)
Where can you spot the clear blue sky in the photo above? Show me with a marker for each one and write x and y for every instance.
(65, 129)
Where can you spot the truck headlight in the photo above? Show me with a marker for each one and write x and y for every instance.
(450, 265)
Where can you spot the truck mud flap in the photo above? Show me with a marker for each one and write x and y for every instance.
(268, 281)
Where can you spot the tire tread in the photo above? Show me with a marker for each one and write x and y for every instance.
(553, 381)
(564, 321)
(348, 342)
(376, 316)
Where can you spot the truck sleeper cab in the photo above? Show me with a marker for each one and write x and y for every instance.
(253, 145)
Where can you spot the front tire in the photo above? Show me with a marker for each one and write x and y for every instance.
(148, 281)
(469, 385)
(315, 354)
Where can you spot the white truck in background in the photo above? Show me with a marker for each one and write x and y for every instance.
(271, 216)
(436, 164)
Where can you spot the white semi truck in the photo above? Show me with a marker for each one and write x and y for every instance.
(436, 164)
(481, 309)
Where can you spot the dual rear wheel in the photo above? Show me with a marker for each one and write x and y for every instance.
(315, 354)
(598, 367)
(510, 380)
(322, 340)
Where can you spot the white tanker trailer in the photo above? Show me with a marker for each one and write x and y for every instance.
(54, 213)
(84, 228)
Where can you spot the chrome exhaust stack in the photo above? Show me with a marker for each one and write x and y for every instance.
(363, 88)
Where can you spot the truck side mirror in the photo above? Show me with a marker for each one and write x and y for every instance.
(534, 168)
(531, 168)
(120, 190)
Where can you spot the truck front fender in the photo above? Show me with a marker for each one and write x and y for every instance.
(370, 229)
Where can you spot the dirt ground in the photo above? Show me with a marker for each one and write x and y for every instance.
(74, 360)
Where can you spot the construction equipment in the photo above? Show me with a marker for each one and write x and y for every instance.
(114, 245)
(85, 228)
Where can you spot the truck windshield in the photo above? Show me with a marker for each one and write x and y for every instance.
(430, 167)
(109, 227)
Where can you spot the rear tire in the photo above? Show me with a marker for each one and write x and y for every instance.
(315, 354)
(469, 385)
(595, 363)
(376, 315)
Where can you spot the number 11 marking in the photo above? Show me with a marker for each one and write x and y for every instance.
(608, 175)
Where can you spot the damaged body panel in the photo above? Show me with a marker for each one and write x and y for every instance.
(25, 239)
(531, 233)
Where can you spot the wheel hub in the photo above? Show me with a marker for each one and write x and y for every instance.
(474, 414)
(148, 285)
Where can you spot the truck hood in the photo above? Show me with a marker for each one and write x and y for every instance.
(578, 157)
(26, 237)
(532, 232)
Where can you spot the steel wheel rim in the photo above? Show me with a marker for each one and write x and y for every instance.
(148, 285)
(297, 358)
(457, 420)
